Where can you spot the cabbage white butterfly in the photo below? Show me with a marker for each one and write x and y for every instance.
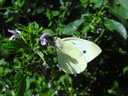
(75, 53)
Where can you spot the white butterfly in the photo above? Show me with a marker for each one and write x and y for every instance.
(75, 53)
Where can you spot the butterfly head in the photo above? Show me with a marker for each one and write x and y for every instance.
(57, 42)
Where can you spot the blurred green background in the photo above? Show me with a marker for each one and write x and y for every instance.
(29, 69)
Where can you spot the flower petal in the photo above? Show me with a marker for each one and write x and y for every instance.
(11, 31)
(97, 31)
(46, 67)
(55, 93)
(17, 36)
(49, 85)
(74, 36)
(12, 38)
(18, 31)
(43, 42)
(89, 37)
(44, 35)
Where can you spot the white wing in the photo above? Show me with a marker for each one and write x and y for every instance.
(89, 49)
(70, 58)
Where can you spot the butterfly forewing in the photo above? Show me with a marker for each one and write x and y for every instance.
(89, 49)
(70, 58)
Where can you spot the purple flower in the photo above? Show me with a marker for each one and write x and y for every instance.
(49, 85)
(117, 4)
(15, 34)
(61, 3)
(4, 90)
(75, 75)
(56, 92)
(60, 16)
(89, 37)
(43, 40)
(98, 30)
(75, 94)
(74, 36)
(60, 7)
(91, 5)
(7, 86)
(45, 70)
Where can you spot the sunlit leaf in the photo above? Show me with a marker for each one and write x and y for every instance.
(49, 92)
(9, 19)
(124, 3)
(97, 3)
(2, 2)
(3, 62)
(125, 69)
(116, 84)
(119, 11)
(113, 25)
(65, 79)
(73, 26)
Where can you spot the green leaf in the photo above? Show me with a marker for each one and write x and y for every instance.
(10, 19)
(42, 57)
(20, 83)
(73, 26)
(86, 28)
(3, 62)
(84, 3)
(28, 93)
(1, 71)
(2, 2)
(55, 13)
(47, 31)
(124, 3)
(120, 11)
(97, 3)
(3, 51)
(49, 92)
(116, 84)
(118, 27)
(7, 70)
(113, 25)
(65, 80)
(125, 69)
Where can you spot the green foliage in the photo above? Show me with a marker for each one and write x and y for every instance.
(113, 25)
(2, 2)
(124, 3)
(125, 69)
(73, 26)
(29, 69)
(20, 83)
(97, 3)
(120, 11)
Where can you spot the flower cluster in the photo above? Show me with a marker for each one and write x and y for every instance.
(16, 34)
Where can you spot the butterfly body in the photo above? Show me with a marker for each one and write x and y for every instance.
(75, 53)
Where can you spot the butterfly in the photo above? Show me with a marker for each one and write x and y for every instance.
(75, 53)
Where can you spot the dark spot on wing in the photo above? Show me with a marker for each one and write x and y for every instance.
(84, 51)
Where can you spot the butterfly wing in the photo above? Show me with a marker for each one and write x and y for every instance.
(89, 49)
(70, 58)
